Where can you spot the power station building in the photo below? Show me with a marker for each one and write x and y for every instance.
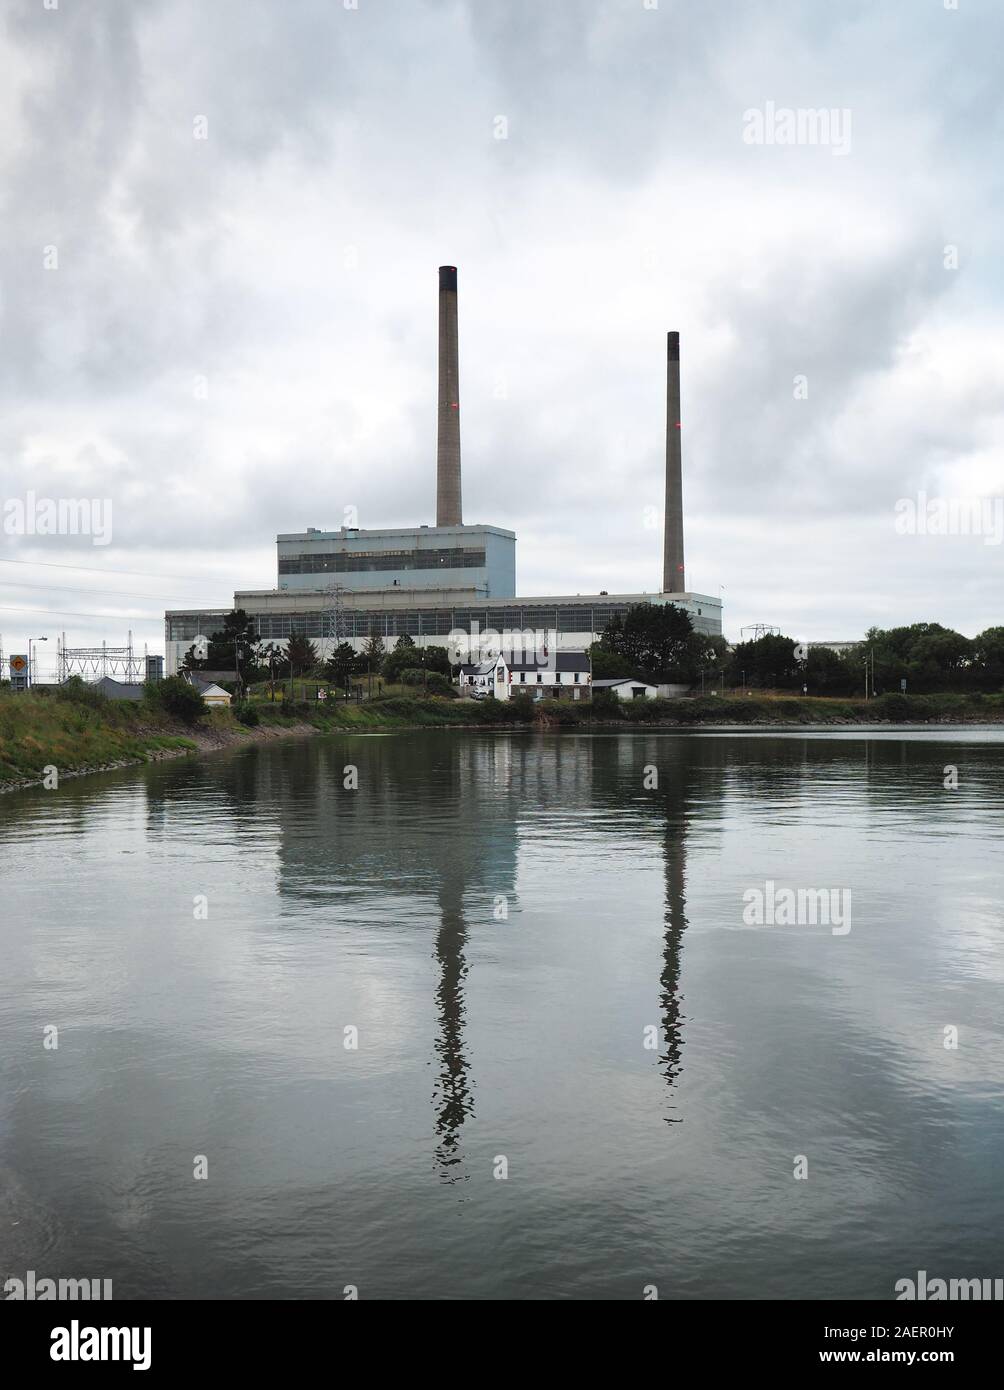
(433, 582)
(465, 557)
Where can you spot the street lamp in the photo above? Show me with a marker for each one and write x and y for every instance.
(31, 669)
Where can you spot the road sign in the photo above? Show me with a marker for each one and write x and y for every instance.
(19, 672)
(902, 682)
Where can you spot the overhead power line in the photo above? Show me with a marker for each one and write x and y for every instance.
(97, 569)
(66, 613)
(77, 589)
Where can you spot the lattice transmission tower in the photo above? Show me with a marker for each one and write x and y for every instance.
(91, 663)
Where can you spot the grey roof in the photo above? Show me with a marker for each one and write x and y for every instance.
(119, 690)
(201, 682)
(554, 661)
(622, 680)
(216, 676)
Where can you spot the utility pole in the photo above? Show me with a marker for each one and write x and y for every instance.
(31, 663)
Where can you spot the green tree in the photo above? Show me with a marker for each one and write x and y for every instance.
(988, 659)
(931, 658)
(827, 673)
(340, 664)
(404, 654)
(707, 654)
(769, 663)
(232, 648)
(301, 654)
(373, 651)
(437, 659)
(654, 638)
(608, 665)
(272, 661)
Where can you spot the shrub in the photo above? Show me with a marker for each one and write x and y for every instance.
(605, 704)
(519, 708)
(176, 697)
(298, 709)
(560, 712)
(492, 711)
(893, 705)
(81, 692)
(416, 675)
(248, 715)
(643, 711)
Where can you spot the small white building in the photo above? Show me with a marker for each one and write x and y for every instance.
(211, 693)
(558, 675)
(214, 694)
(627, 689)
(477, 678)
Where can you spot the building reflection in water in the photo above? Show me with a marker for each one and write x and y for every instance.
(619, 773)
(466, 803)
(452, 1099)
(675, 788)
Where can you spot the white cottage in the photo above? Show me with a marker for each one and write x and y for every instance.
(558, 675)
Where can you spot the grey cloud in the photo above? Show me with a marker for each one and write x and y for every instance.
(335, 133)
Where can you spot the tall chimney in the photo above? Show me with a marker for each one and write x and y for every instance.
(448, 502)
(673, 577)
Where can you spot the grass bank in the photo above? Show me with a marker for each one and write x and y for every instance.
(893, 708)
(400, 712)
(38, 730)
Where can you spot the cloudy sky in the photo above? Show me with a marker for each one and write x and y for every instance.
(235, 335)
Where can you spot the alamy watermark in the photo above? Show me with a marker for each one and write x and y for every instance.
(33, 1289)
(771, 906)
(802, 125)
(520, 644)
(925, 1290)
(32, 515)
(951, 516)
(76, 1343)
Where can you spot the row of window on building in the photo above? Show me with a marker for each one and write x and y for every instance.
(556, 678)
(359, 561)
(436, 622)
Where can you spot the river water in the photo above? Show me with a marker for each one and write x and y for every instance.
(578, 1071)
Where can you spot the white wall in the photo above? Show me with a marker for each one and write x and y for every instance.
(504, 690)
(625, 692)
